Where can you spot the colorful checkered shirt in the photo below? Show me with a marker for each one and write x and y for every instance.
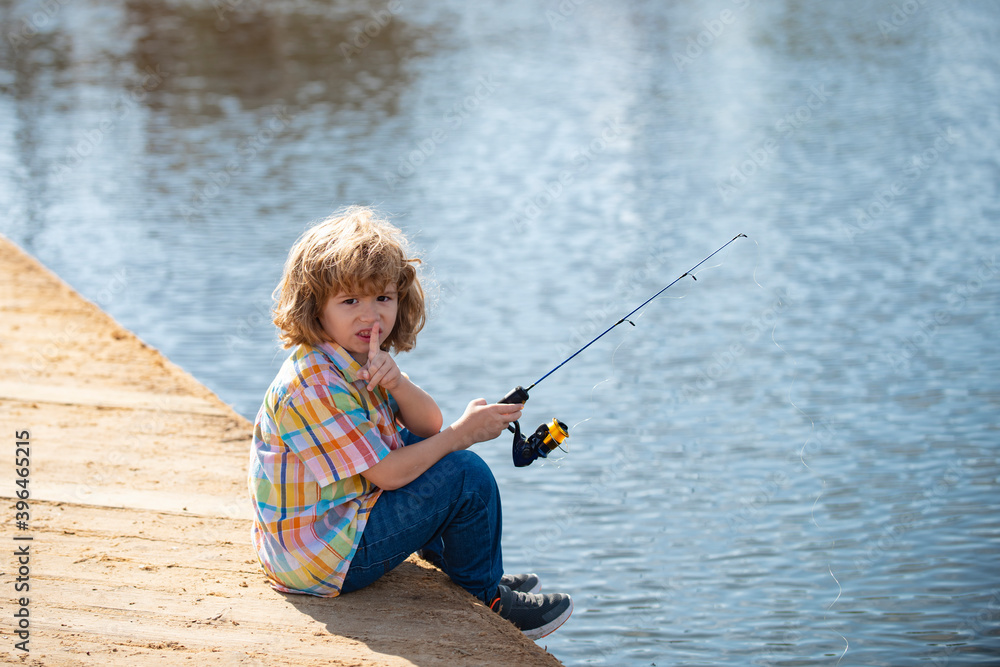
(318, 428)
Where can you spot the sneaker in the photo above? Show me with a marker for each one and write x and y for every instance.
(534, 615)
(523, 583)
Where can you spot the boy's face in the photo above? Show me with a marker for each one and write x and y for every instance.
(347, 319)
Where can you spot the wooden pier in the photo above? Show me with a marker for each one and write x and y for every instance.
(138, 521)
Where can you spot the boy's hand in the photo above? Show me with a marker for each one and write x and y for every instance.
(482, 422)
(381, 369)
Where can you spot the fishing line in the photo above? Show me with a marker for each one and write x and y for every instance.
(847, 644)
(819, 496)
(593, 390)
(840, 588)
(812, 513)
(613, 374)
(563, 448)
(756, 264)
(773, 329)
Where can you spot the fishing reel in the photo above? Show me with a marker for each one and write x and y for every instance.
(538, 445)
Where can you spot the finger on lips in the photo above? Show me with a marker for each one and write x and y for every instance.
(373, 349)
(373, 346)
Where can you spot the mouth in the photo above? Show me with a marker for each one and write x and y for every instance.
(365, 333)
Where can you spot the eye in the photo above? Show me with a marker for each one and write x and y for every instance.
(350, 302)
(385, 297)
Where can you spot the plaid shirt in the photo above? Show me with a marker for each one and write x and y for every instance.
(318, 428)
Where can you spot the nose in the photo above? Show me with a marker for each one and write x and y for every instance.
(369, 314)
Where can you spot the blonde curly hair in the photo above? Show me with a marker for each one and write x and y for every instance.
(352, 251)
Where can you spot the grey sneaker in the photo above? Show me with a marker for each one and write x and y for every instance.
(523, 583)
(534, 615)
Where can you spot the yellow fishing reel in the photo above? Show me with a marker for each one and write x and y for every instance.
(540, 443)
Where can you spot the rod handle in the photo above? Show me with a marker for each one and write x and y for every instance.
(516, 395)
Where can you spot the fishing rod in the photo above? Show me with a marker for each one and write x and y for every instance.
(552, 434)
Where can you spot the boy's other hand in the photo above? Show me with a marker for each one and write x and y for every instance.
(482, 422)
(381, 368)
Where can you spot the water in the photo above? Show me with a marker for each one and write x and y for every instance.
(791, 461)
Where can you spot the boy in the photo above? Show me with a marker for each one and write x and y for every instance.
(350, 470)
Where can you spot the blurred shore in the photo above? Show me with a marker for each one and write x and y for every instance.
(133, 523)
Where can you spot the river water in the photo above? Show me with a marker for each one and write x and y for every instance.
(790, 461)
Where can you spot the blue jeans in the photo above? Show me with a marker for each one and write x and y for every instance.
(453, 511)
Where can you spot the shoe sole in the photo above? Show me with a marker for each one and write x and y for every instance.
(551, 626)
